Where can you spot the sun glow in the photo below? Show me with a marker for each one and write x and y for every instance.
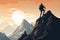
(18, 17)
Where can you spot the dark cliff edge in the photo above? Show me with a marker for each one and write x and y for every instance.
(47, 28)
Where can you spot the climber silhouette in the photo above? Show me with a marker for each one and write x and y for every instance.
(42, 9)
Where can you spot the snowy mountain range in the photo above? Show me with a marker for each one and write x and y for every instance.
(25, 26)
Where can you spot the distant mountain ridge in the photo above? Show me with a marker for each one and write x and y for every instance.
(47, 28)
(3, 36)
(25, 26)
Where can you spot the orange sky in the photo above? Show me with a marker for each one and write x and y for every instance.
(29, 6)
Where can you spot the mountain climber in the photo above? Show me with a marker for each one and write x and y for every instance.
(42, 9)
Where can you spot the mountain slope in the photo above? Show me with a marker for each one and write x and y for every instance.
(47, 28)
(3, 36)
(25, 26)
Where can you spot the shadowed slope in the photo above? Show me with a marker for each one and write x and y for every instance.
(47, 28)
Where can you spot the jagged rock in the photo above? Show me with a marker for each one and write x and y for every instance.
(23, 35)
(47, 28)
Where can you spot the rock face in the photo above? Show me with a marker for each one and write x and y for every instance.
(47, 28)
(3, 36)
(23, 35)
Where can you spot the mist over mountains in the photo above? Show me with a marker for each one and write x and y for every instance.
(25, 26)
(47, 27)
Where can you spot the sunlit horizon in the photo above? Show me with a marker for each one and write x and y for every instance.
(12, 12)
